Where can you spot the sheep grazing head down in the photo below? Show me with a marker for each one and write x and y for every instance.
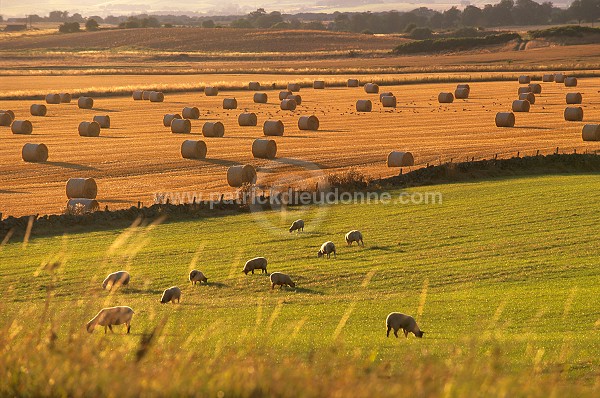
(420, 334)
(320, 254)
(89, 327)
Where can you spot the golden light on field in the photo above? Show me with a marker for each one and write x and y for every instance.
(138, 156)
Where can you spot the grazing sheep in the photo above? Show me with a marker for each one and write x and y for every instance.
(197, 276)
(407, 323)
(116, 279)
(111, 316)
(277, 278)
(354, 236)
(171, 294)
(326, 249)
(297, 225)
(255, 263)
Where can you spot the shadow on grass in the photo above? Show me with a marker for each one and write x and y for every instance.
(306, 291)
(105, 110)
(72, 166)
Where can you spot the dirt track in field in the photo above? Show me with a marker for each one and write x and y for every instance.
(138, 157)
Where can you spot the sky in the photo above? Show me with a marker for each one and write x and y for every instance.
(20, 8)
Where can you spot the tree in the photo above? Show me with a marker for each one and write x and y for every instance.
(69, 27)
(91, 25)
(472, 16)
(241, 23)
(209, 24)
(451, 17)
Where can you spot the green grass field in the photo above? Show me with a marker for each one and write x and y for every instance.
(503, 277)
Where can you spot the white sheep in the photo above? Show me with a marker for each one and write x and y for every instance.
(197, 276)
(171, 294)
(407, 323)
(326, 249)
(277, 278)
(111, 316)
(116, 279)
(297, 225)
(354, 236)
(255, 263)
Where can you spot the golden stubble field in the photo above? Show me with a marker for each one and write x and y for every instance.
(138, 156)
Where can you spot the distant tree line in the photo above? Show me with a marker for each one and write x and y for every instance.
(504, 13)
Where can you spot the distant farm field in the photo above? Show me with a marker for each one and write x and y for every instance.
(502, 276)
(138, 157)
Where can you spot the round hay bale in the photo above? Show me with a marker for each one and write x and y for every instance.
(191, 149)
(213, 129)
(103, 121)
(548, 78)
(388, 101)
(183, 126)
(385, 94)
(273, 128)
(293, 87)
(169, 117)
(247, 119)
(574, 98)
(353, 83)
(81, 206)
(559, 78)
(364, 106)
(288, 105)
(65, 98)
(10, 113)
(190, 112)
(38, 110)
(591, 132)
(146, 95)
(85, 103)
(21, 127)
(34, 153)
(296, 97)
(536, 88)
(211, 91)
(53, 99)
(138, 95)
(308, 123)
(260, 98)
(230, 103)
(445, 98)
(89, 129)
(570, 81)
(461, 93)
(371, 88)
(574, 114)
(400, 159)
(524, 90)
(464, 85)
(520, 106)
(254, 86)
(319, 84)
(264, 149)
(5, 119)
(284, 94)
(156, 96)
(524, 79)
(240, 175)
(81, 188)
(530, 97)
(505, 119)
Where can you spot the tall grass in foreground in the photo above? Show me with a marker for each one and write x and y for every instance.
(36, 361)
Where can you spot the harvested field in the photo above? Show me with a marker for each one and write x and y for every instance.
(138, 157)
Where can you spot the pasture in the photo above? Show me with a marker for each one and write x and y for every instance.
(138, 157)
(508, 300)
